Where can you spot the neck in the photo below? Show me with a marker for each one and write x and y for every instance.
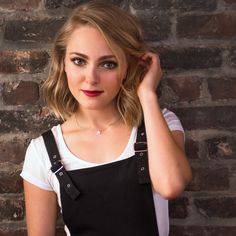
(96, 119)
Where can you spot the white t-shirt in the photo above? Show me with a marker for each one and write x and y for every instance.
(37, 166)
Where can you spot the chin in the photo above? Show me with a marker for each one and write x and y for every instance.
(97, 104)
(92, 106)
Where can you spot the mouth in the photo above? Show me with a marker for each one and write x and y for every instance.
(92, 93)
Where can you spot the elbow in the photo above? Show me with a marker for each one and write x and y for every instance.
(173, 189)
(170, 193)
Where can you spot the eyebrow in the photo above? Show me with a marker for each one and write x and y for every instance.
(86, 57)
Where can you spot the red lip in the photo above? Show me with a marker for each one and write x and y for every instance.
(92, 93)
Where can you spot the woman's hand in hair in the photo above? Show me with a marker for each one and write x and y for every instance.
(152, 76)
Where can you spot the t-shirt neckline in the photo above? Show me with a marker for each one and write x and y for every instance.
(124, 154)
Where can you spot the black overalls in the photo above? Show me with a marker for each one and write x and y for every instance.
(113, 199)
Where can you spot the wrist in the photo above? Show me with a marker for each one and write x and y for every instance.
(148, 97)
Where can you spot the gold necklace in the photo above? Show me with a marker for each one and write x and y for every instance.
(99, 131)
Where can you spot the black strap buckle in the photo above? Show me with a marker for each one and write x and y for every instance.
(57, 165)
(140, 147)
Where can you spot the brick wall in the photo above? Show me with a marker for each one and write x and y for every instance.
(196, 41)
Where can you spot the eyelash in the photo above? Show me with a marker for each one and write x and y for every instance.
(78, 61)
(81, 62)
(112, 65)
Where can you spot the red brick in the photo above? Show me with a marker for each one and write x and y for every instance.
(221, 230)
(231, 58)
(230, 1)
(11, 209)
(189, 5)
(12, 151)
(44, 112)
(155, 26)
(221, 148)
(32, 30)
(196, 230)
(10, 182)
(221, 207)
(10, 231)
(224, 88)
(2, 20)
(219, 117)
(148, 5)
(182, 230)
(20, 93)
(178, 208)
(219, 26)
(20, 61)
(25, 121)
(51, 4)
(210, 179)
(189, 58)
(19, 4)
(192, 149)
(186, 88)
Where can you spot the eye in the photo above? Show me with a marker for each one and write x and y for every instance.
(109, 65)
(78, 61)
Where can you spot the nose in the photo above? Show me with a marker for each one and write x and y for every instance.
(91, 76)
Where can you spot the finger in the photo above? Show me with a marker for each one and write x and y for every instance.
(151, 58)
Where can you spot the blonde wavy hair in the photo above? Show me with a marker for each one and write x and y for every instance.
(121, 31)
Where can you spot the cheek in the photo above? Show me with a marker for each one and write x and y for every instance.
(72, 77)
(72, 83)
(70, 73)
(114, 85)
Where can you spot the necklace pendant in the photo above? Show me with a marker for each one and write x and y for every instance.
(99, 132)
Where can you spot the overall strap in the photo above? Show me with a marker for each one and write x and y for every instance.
(140, 148)
(57, 167)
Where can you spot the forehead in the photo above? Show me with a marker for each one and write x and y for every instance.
(87, 39)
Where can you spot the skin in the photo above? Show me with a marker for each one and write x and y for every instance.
(92, 68)
(87, 69)
(168, 165)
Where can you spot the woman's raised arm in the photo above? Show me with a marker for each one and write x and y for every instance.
(168, 165)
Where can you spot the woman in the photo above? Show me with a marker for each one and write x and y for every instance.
(102, 83)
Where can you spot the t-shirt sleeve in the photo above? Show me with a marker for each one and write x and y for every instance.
(35, 169)
(172, 120)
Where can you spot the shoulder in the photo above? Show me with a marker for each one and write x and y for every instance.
(37, 166)
(38, 141)
(37, 145)
(166, 112)
(172, 120)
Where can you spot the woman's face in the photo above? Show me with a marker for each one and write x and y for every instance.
(92, 70)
